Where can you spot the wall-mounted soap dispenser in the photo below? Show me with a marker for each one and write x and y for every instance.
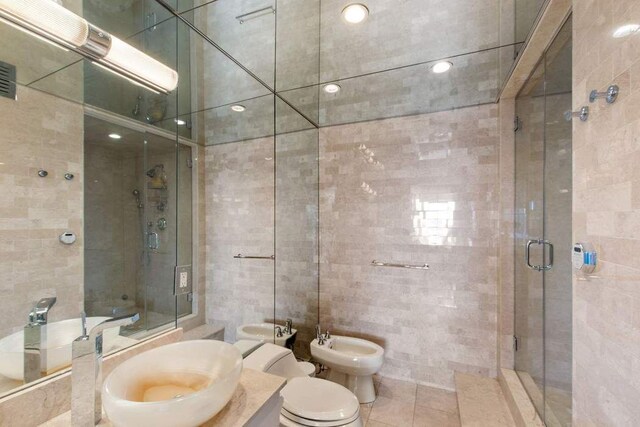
(584, 257)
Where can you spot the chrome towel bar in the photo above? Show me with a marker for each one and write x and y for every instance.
(240, 256)
(388, 264)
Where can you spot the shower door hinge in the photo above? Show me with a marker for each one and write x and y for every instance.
(515, 343)
(516, 124)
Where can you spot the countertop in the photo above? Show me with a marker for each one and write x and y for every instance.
(253, 392)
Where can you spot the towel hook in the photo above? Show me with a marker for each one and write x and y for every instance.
(610, 95)
(583, 114)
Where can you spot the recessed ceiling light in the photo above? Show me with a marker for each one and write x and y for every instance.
(180, 122)
(441, 67)
(238, 108)
(115, 136)
(626, 30)
(355, 13)
(331, 88)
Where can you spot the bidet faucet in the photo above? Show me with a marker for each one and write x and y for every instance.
(86, 371)
(279, 332)
(35, 340)
(319, 335)
(288, 325)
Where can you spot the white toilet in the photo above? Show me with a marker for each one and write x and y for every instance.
(351, 362)
(307, 401)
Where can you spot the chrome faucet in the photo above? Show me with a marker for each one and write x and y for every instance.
(86, 371)
(35, 340)
(319, 335)
(279, 332)
(288, 325)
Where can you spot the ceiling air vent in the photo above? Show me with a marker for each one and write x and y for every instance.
(7, 80)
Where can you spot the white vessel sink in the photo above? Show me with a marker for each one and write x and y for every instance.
(176, 385)
(60, 335)
(263, 332)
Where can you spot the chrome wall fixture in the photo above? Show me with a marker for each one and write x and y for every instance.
(54, 23)
(240, 256)
(390, 264)
(583, 114)
(610, 95)
(255, 14)
(527, 255)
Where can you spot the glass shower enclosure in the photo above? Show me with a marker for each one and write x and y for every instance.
(138, 223)
(543, 241)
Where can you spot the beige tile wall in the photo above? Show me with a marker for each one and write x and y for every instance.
(239, 188)
(39, 132)
(606, 340)
(415, 189)
(240, 219)
(297, 234)
(422, 189)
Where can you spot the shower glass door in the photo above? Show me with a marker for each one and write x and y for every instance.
(557, 229)
(543, 285)
(159, 181)
(529, 229)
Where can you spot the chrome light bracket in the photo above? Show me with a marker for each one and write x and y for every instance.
(98, 43)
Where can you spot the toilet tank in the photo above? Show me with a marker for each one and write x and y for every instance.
(275, 360)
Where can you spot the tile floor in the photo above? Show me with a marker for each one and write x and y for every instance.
(406, 404)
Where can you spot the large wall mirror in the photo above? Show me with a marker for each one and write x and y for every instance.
(104, 187)
(97, 176)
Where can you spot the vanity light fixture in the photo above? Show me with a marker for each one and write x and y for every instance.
(355, 13)
(331, 88)
(238, 108)
(52, 22)
(626, 30)
(441, 67)
(115, 136)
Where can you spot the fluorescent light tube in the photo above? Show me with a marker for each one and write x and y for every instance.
(134, 63)
(47, 19)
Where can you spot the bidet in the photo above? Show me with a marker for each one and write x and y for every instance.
(351, 362)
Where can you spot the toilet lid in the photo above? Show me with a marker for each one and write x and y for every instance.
(314, 402)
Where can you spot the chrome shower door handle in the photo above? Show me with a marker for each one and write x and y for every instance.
(527, 255)
(550, 265)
